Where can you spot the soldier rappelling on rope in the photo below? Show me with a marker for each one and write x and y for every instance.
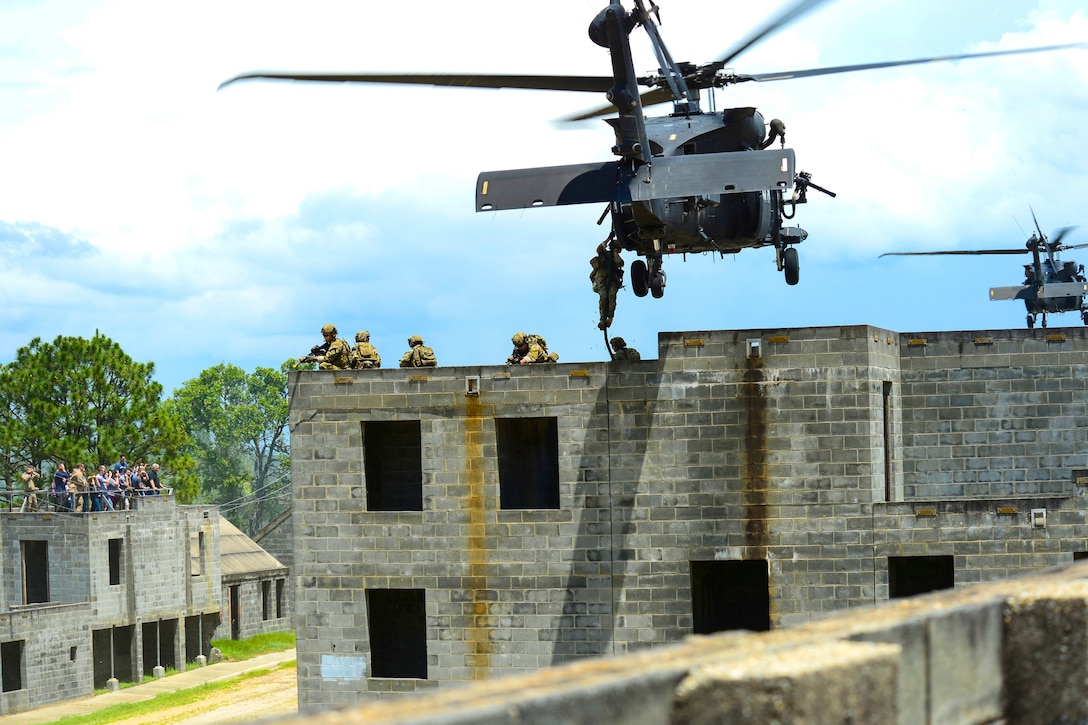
(607, 278)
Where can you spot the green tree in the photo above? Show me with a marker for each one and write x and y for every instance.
(85, 401)
(238, 424)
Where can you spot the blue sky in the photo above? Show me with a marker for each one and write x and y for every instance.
(196, 227)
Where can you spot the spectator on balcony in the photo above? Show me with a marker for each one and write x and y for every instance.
(153, 478)
(78, 485)
(30, 488)
(99, 500)
(61, 500)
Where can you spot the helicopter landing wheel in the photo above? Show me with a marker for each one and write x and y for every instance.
(639, 278)
(1044, 320)
(657, 285)
(1084, 316)
(1031, 321)
(791, 265)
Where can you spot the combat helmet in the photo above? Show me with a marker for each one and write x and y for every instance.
(618, 342)
(362, 336)
(518, 338)
(328, 329)
(415, 340)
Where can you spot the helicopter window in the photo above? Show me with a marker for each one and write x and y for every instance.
(392, 452)
(528, 451)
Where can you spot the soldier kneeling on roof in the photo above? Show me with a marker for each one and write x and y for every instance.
(529, 349)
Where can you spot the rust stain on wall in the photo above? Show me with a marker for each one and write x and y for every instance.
(755, 459)
(479, 633)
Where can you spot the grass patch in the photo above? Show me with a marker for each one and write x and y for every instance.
(124, 711)
(244, 649)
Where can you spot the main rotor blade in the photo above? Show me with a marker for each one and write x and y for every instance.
(1075, 246)
(773, 25)
(788, 75)
(594, 84)
(1038, 228)
(958, 251)
(652, 97)
(1061, 233)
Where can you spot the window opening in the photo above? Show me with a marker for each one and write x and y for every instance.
(911, 575)
(398, 632)
(528, 462)
(394, 465)
(35, 572)
(11, 662)
(729, 595)
(115, 562)
(266, 599)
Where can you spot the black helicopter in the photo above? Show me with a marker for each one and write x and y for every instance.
(691, 181)
(1050, 285)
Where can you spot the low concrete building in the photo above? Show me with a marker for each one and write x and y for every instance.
(255, 590)
(90, 598)
(458, 524)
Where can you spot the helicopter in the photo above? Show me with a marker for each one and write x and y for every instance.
(1050, 284)
(692, 181)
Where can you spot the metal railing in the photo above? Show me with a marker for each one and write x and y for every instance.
(18, 500)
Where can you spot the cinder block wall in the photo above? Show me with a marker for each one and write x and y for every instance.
(994, 413)
(1012, 651)
(793, 447)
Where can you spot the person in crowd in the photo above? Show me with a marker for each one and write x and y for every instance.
(99, 485)
(115, 499)
(141, 485)
(61, 499)
(30, 489)
(153, 481)
(121, 465)
(78, 485)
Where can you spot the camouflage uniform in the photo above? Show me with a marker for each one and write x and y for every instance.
(530, 349)
(77, 484)
(607, 278)
(30, 500)
(338, 354)
(418, 355)
(621, 351)
(364, 355)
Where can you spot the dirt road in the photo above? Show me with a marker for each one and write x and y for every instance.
(244, 701)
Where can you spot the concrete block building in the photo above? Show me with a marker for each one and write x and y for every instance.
(456, 524)
(255, 594)
(86, 598)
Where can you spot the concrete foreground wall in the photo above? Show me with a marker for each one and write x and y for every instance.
(1014, 651)
(824, 453)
